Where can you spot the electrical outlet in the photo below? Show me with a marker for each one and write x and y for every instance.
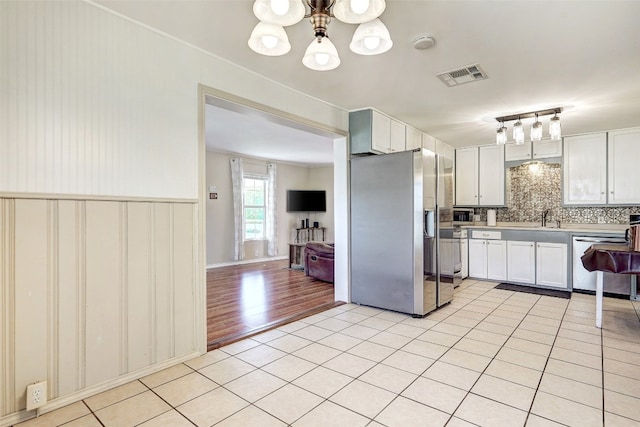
(36, 395)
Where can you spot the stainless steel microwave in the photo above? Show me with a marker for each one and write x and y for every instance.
(463, 216)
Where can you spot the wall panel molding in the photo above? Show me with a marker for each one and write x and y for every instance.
(7, 297)
(113, 289)
(53, 298)
(124, 288)
(82, 292)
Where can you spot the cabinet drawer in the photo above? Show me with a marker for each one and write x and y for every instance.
(479, 234)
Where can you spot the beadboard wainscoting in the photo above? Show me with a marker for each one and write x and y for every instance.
(92, 291)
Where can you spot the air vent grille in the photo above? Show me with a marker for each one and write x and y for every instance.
(467, 74)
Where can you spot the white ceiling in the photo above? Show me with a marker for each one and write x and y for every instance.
(537, 54)
(237, 129)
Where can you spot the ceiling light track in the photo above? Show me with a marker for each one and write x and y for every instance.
(536, 127)
(530, 114)
(269, 37)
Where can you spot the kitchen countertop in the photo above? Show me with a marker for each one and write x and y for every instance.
(567, 228)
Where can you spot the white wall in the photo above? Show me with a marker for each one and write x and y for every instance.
(96, 106)
(220, 211)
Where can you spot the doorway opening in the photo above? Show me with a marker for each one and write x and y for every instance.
(260, 290)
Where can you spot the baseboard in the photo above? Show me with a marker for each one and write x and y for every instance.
(18, 417)
(246, 261)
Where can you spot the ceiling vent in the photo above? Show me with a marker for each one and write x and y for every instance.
(468, 74)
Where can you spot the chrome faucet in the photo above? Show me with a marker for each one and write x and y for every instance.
(544, 217)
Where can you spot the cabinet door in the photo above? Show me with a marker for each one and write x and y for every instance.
(478, 258)
(491, 176)
(517, 152)
(467, 177)
(521, 262)
(464, 257)
(380, 132)
(413, 138)
(398, 136)
(547, 148)
(447, 257)
(428, 142)
(624, 146)
(496, 260)
(585, 169)
(551, 264)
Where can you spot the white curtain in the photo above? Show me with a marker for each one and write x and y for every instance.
(272, 244)
(238, 216)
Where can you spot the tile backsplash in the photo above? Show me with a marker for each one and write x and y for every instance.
(533, 188)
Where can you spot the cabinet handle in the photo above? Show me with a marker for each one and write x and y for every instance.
(612, 192)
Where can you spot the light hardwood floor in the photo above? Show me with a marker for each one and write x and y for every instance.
(245, 299)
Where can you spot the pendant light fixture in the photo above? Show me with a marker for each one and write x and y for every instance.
(501, 135)
(536, 130)
(321, 55)
(269, 37)
(518, 132)
(554, 128)
(536, 127)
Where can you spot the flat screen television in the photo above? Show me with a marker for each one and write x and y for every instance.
(306, 201)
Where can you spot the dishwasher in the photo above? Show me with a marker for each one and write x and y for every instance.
(619, 284)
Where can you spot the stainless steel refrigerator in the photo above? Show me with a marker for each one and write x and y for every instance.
(397, 203)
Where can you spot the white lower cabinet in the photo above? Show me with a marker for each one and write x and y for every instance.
(488, 259)
(464, 257)
(447, 258)
(551, 264)
(543, 264)
(521, 262)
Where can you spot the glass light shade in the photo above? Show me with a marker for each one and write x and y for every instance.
(371, 38)
(501, 135)
(270, 11)
(280, 7)
(555, 132)
(321, 56)
(269, 40)
(518, 132)
(359, 6)
(348, 10)
(536, 131)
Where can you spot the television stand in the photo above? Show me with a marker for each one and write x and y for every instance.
(310, 234)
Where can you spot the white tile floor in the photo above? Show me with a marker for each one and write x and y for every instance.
(490, 358)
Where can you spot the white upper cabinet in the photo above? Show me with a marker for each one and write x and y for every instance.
(542, 149)
(428, 142)
(547, 148)
(517, 152)
(413, 138)
(373, 132)
(397, 140)
(480, 176)
(467, 176)
(380, 132)
(491, 176)
(623, 166)
(585, 169)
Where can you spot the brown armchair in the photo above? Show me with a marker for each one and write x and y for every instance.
(318, 261)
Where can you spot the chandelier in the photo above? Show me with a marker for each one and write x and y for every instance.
(269, 37)
(555, 132)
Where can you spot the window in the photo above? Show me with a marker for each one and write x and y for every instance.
(255, 209)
